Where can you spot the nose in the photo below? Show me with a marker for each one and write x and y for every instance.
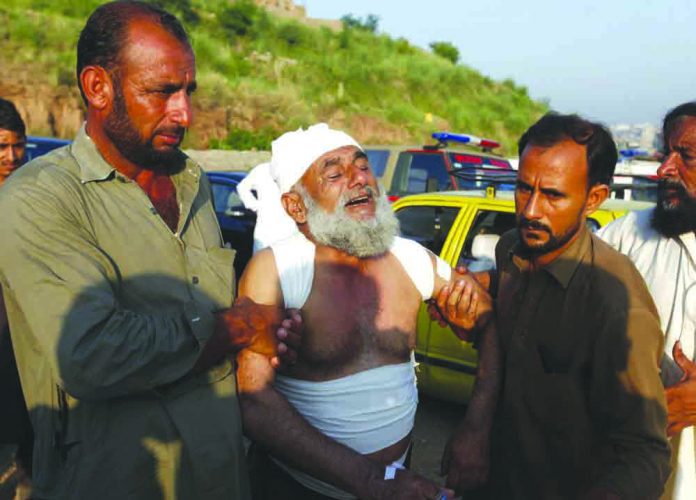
(669, 166)
(531, 209)
(358, 176)
(180, 108)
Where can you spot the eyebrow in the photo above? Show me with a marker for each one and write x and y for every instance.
(523, 184)
(330, 162)
(552, 191)
(174, 87)
(335, 160)
(545, 190)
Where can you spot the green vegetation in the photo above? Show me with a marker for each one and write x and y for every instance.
(446, 50)
(265, 74)
(370, 23)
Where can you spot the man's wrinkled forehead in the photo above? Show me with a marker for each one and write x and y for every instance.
(338, 156)
(11, 136)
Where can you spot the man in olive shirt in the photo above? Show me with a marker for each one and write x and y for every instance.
(117, 287)
(582, 411)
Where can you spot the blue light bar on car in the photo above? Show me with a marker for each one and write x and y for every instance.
(471, 140)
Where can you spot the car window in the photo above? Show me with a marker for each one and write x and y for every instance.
(378, 160)
(479, 253)
(423, 166)
(414, 169)
(427, 225)
(225, 198)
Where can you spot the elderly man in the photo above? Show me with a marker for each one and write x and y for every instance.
(582, 413)
(359, 288)
(662, 245)
(117, 286)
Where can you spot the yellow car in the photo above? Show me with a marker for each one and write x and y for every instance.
(463, 227)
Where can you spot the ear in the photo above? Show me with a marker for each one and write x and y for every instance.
(98, 87)
(595, 197)
(294, 206)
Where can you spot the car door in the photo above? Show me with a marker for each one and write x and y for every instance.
(451, 363)
(236, 222)
(431, 225)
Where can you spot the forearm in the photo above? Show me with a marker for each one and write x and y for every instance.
(69, 293)
(484, 398)
(272, 421)
(129, 352)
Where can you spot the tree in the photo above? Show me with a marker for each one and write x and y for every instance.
(445, 50)
(370, 23)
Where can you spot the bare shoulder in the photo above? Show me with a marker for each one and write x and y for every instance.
(260, 280)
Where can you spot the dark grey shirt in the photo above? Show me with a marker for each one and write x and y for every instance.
(582, 403)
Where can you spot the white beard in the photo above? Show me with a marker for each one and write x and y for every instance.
(337, 229)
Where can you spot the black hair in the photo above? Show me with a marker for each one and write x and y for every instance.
(673, 118)
(553, 128)
(10, 118)
(104, 35)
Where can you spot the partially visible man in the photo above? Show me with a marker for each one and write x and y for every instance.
(345, 410)
(117, 286)
(662, 245)
(13, 139)
(15, 428)
(582, 413)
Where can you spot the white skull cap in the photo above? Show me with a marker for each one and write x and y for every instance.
(294, 152)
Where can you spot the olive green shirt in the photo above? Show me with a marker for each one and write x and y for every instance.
(582, 404)
(109, 310)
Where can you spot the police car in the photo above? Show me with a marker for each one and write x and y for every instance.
(436, 167)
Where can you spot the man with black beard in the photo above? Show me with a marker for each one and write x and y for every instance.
(662, 245)
(338, 423)
(582, 412)
(117, 286)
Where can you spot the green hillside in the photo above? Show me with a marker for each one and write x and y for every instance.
(260, 75)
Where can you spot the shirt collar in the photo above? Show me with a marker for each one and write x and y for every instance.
(93, 166)
(563, 267)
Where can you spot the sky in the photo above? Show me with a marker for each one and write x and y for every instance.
(616, 61)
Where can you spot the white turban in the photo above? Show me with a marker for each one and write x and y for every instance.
(293, 152)
(291, 156)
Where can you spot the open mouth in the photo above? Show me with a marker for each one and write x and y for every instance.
(359, 200)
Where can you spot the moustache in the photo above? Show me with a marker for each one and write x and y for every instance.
(533, 224)
(354, 193)
(671, 185)
(174, 131)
